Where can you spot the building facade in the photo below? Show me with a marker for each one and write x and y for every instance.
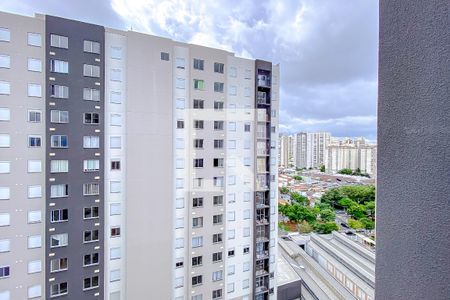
(310, 148)
(143, 154)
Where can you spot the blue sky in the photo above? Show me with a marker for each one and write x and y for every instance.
(327, 48)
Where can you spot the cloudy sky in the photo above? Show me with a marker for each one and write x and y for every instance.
(327, 48)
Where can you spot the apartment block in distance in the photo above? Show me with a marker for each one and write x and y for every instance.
(133, 166)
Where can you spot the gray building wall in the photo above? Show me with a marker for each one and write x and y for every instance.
(413, 224)
(77, 32)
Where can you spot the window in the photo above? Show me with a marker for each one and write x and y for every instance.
(197, 242)
(199, 84)
(34, 39)
(115, 209)
(218, 144)
(232, 126)
(165, 56)
(91, 118)
(115, 187)
(91, 94)
(197, 202)
(59, 190)
(116, 75)
(59, 41)
(246, 214)
(34, 141)
(179, 281)
(197, 297)
(232, 90)
(116, 52)
(115, 231)
(59, 116)
(115, 97)
(197, 261)
(5, 219)
(180, 124)
(91, 142)
(217, 294)
(59, 141)
(114, 253)
(34, 116)
(246, 250)
(115, 142)
(58, 289)
(218, 125)
(115, 164)
(247, 127)
(90, 236)
(5, 34)
(231, 268)
(4, 271)
(34, 216)
(246, 196)
(179, 243)
(58, 265)
(180, 103)
(59, 215)
(5, 61)
(91, 47)
(59, 66)
(230, 287)
(5, 167)
(198, 124)
(5, 114)
(247, 161)
(218, 67)
(59, 91)
(179, 163)
(34, 191)
(91, 71)
(245, 284)
(34, 291)
(217, 238)
(34, 90)
(218, 105)
(231, 252)
(90, 189)
(34, 266)
(90, 260)
(179, 223)
(199, 104)
(90, 283)
(5, 140)
(197, 280)
(198, 64)
(217, 219)
(218, 200)
(179, 63)
(218, 87)
(91, 165)
(5, 193)
(179, 203)
(59, 240)
(231, 180)
(231, 216)
(179, 182)
(5, 88)
(116, 120)
(198, 162)
(218, 181)
(217, 275)
(198, 183)
(231, 144)
(197, 222)
(34, 241)
(180, 83)
(246, 232)
(90, 212)
(247, 92)
(198, 143)
(59, 166)
(34, 65)
(232, 72)
(246, 266)
(5, 245)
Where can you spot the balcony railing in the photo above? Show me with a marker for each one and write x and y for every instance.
(264, 80)
(262, 98)
(262, 221)
(262, 254)
(261, 289)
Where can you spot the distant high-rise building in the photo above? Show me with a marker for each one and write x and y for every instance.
(310, 149)
(352, 154)
(133, 166)
(286, 152)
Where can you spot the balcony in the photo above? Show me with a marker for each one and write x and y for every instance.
(263, 81)
(262, 152)
(261, 272)
(261, 289)
(262, 221)
(262, 255)
(261, 98)
(261, 135)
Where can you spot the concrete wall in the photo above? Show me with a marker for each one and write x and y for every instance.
(413, 223)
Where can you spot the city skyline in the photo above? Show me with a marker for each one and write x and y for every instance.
(337, 95)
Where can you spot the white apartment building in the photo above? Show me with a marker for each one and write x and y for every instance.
(311, 149)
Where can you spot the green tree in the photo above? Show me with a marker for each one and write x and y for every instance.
(346, 202)
(327, 215)
(358, 211)
(305, 227)
(355, 224)
(346, 171)
(325, 227)
(368, 224)
(298, 198)
(322, 168)
(284, 190)
(370, 208)
(297, 177)
(297, 213)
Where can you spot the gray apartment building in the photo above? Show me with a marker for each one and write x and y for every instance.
(133, 166)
